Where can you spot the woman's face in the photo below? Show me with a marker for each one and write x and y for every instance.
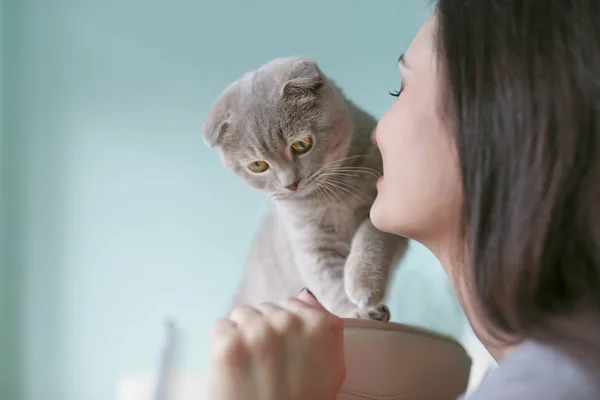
(419, 195)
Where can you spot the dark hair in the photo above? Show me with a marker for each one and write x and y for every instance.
(522, 95)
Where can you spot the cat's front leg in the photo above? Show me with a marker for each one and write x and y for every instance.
(322, 268)
(322, 264)
(373, 255)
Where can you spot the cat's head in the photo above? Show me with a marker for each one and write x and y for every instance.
(276, 126)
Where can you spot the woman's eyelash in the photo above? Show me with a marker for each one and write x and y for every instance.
(396, 93)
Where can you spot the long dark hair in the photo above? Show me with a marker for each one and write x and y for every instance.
(523, 98)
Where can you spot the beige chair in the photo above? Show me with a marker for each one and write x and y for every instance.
(396, 362)
(385, 361)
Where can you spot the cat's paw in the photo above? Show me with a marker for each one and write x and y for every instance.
(362, 289)
(380, 312)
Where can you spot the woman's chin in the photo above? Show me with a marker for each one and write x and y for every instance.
(378, 215)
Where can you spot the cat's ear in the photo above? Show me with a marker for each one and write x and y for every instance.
(217, 122)
(303, 78)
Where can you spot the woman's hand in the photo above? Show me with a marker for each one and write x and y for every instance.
(290, 351)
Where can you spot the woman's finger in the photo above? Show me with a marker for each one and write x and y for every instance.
(222, 327)
(244, 315)
(229, 362)
(323, 333)
(227, 344)
(267, 351)
(314, 319)
(256, 329)
(283, 321)
(309, 298)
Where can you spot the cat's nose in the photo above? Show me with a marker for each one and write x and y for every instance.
(294, 186)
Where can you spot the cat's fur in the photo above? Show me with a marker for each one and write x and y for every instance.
(320, 235)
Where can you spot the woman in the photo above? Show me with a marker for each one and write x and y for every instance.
(492, 160)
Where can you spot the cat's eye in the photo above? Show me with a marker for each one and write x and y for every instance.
(303, 145)
(258, 166)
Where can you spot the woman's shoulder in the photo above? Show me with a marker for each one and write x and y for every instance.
(537, 371)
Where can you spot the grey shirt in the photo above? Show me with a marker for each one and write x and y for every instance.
(537, 372)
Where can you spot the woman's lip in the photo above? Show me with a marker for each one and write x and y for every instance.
(374, 138)
(379, 179)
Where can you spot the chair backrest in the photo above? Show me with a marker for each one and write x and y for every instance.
(397, 362)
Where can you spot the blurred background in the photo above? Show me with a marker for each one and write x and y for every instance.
(115, 216)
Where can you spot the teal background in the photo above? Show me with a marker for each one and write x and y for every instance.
(114, 214)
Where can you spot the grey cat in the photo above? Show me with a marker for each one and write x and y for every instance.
(286, 129)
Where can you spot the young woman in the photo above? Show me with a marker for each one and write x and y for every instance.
(492, 160)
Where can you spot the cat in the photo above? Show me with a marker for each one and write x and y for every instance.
(287, 129)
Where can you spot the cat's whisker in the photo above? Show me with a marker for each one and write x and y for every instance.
(335, 197)
(341, 177)
(339, 174)
(319, 195)
(354, 169)
(261, 210)
(340, 187)
(312, 178)
(331, 194)
(364, 170)
(276, 220)
(343, 171)
(333, 164)
(327, 199)
(340, 191)
(349, 187)
(343, 159)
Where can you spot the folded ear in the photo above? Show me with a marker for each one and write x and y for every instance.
(304, 78)
(218, 120)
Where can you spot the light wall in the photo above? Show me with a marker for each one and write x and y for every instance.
(115, 215)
